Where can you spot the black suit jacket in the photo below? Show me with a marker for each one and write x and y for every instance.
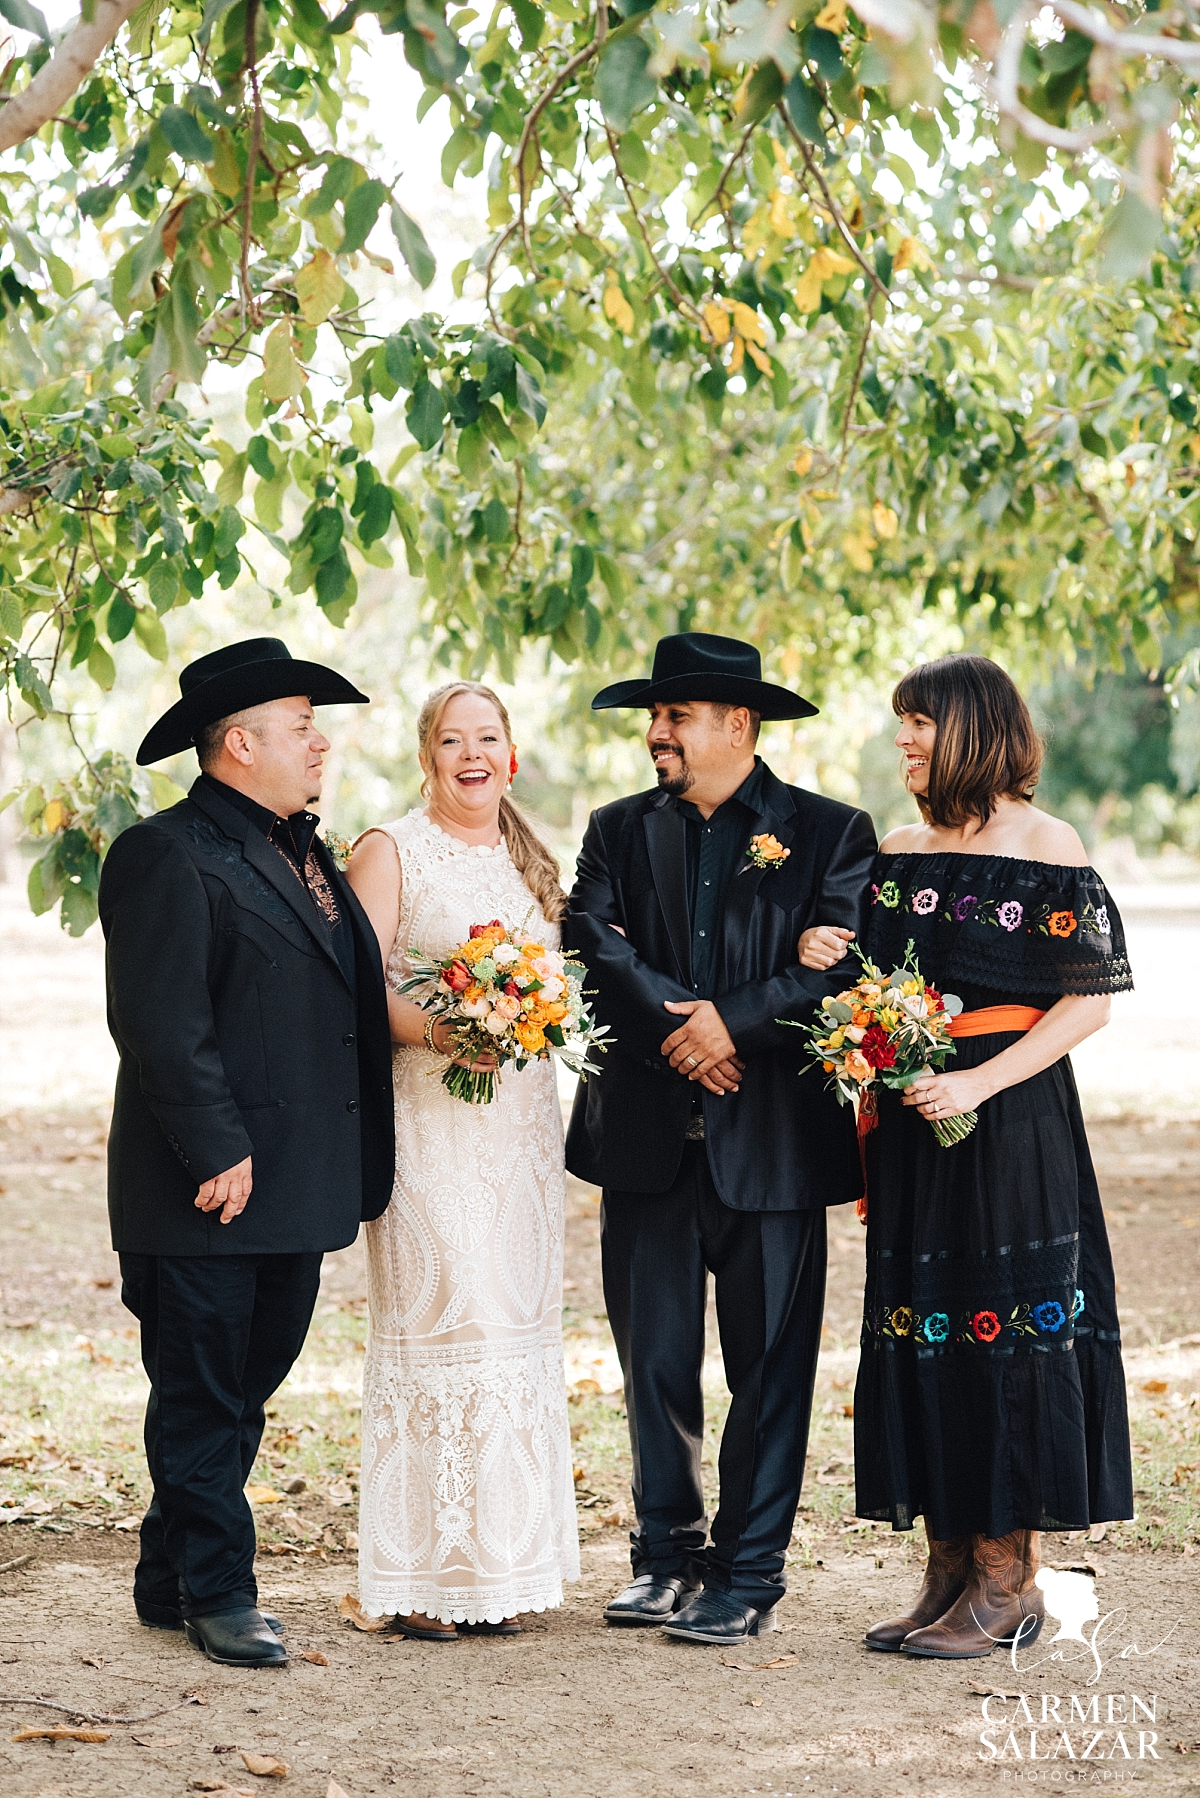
(781, 1143)
(239, 1035)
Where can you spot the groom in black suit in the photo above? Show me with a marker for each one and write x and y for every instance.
(713, 1155)
(252, 1127)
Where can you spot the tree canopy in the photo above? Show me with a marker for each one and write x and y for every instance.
(792, 318)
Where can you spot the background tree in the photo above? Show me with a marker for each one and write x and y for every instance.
(796, 391)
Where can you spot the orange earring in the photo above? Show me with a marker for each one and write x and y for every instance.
(513, 765)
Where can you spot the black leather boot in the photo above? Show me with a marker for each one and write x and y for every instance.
(720, 1620)
(650, 1600)
(237, 1639)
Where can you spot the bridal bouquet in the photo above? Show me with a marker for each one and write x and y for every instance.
(888, 1030)
(509, 1000)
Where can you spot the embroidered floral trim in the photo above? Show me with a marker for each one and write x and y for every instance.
(1047, 1318)
(1010, 915)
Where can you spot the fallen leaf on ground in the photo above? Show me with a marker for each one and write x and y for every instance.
(756, 1702)
(1098, 1531)
(91, 1660)
(158, 1741)
(781, 1660)
(265, 1766)
(992, 1691)
(340, 1493)
(263, 1495)
(128, 1523)
(61, 1732)
(315, 1656)
(334, 1790)
(1154, 1385)
(350, 1607)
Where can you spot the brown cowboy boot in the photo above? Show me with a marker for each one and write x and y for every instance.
(1000, 1603)
(946, 1573)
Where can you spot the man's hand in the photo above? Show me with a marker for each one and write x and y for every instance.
(824, 946)
(227, 1192)
(702, 1049)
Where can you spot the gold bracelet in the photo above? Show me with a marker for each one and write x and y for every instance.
(429, 1042)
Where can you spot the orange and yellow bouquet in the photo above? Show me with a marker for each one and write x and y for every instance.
(886, 1030)
(508, 1001)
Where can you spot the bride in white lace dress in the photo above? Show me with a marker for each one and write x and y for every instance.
(467, 1498)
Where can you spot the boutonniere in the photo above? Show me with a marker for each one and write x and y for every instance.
(339, 847)
(765, 851)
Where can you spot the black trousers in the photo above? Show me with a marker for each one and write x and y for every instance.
(219, 1335)
(657, 1249)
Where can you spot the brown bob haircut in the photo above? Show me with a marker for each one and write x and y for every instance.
(986, 744)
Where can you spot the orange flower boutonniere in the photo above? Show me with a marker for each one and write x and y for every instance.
(765, 851)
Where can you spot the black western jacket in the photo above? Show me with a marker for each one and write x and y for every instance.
(781, 1143)
(239, 1035)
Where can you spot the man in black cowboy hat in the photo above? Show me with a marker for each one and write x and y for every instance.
(713, 1155)
(252, 1128)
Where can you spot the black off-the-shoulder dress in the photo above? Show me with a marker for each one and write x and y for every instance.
(990, 1394)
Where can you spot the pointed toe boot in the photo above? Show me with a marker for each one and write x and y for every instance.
(946, 1574)
(999, 1605)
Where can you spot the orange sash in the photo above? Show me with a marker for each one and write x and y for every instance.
(990, 1020)
(993, 1019)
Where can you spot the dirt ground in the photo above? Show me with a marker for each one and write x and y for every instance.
(569, 1708)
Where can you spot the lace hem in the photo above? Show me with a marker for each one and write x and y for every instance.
(401, 1598)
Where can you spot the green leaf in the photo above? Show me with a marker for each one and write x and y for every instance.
(529, 396)
(147, 477)
(361, 209)
(163, 586)
(150, 634)
(213, 10)
(10, 616)
(114, 814)
(79, 908)
(622, 85)
(1129, 238)
(400, 361)
(102, 668)
(531, 20)
(804, 110)
(26, 18)
(163, 790)
(377, 514)
(411, 241)
(425, 412)
(46, 881)
(67, 486)
(496, 524)
(184, 134)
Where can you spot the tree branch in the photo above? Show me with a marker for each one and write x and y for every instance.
(682, 303)
(250, 311)
(24, 114)
(834, 209)
(1005, 79)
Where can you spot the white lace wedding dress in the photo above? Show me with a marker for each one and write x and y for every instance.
(468, 1507)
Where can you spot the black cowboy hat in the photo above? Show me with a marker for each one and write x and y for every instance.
(231, 679)
(694, 665)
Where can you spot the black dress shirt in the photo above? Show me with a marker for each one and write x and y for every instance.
(293, 837)
(715, 847)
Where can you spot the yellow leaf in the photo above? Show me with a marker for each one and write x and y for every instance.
(263, 1495)
(282, 377)
(781, 214)
(803, 462)
(780, 156)
(884, 520)
(717, 320)
(854, 218)
(739, 354)
(319, 287)
(832, 262)
(748, 324)
(617, 308)
(912, 254)
(54, 816)
(225, 171)
(759, 357)
(823, 265)
(857, 550)
(832, 17)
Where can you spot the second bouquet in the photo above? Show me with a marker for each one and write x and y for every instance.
(508, 1001)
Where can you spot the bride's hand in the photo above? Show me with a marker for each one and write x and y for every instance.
(444, 1041)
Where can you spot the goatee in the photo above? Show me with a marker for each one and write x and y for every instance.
(676, 784)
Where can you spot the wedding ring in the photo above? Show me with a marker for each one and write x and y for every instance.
(691, 1061)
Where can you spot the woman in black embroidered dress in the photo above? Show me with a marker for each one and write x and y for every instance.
(990, 1396)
